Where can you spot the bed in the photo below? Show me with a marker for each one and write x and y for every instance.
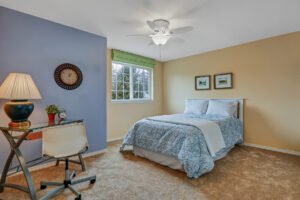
(191, 142)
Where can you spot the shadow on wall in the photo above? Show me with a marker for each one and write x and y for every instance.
(256, 122)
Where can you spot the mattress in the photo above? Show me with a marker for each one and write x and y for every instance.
(169, 161)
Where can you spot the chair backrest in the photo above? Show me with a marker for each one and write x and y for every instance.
(64, 140)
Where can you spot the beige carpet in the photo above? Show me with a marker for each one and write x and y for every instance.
(246, 173)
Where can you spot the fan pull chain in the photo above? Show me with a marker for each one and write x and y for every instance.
(160, 51)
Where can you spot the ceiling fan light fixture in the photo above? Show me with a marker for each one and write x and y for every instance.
(160, 39)
(161, 33)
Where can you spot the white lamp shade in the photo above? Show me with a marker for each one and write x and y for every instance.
(19, 86)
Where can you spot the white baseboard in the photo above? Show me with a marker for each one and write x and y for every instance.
(86, 155)
(296, 153)
(115, 140)
(52, 163)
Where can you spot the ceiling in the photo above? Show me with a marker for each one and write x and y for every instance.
(217, 23)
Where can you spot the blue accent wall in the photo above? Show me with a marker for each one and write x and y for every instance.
(36, 46)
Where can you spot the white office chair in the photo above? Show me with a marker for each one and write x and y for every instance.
(63, 142)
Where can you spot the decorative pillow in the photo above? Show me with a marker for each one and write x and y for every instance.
(195, 106)
(224, 108)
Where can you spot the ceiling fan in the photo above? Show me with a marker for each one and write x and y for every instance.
(161, 33)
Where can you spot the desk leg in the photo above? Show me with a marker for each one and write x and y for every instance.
(5, 170)
(16, 151)
(26, 174)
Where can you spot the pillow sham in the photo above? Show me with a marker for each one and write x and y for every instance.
(195, 106)
(224, 108)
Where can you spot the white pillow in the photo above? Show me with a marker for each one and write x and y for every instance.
(195, 106)
(224, 108)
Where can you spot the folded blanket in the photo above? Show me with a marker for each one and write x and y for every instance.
(211, 130)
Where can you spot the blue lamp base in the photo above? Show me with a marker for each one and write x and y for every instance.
(18, 110)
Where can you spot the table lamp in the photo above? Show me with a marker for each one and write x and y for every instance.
(18, 88)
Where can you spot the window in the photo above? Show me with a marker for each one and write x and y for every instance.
(131, 82)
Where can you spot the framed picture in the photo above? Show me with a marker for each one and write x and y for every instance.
(223, 81)
(202, 82)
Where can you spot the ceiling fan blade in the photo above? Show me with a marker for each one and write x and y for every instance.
(150, 24)
(177, 40)
(180, 30)
(189, 12)
(138, 35)
(135, 23)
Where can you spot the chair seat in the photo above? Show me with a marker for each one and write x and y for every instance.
(64, 141)
(56, 153)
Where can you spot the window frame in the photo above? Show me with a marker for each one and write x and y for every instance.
(131, 99)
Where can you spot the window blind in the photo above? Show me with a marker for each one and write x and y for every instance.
(125, 57)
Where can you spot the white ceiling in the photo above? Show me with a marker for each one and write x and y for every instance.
(218, 23)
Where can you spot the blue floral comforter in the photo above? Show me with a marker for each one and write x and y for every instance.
(184, 141)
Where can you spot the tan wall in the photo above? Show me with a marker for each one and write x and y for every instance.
(266, 74)
(120, 116)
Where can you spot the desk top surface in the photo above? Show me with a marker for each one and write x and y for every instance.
(39, 125)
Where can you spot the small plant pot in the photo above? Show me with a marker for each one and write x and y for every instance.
(51, 117)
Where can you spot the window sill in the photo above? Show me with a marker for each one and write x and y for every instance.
(131, 101)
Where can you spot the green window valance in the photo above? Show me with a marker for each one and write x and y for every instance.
(122, 56)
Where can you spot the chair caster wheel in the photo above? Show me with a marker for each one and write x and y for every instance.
(43, 187)
(92, 181)
(78, 198)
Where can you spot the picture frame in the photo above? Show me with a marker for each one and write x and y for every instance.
(202, 82)
(223, 81)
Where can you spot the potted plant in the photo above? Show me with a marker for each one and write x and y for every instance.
(52, 110)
